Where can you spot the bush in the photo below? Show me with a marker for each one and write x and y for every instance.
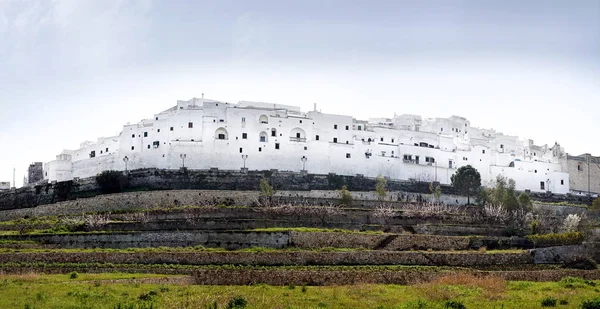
(73, 275)
(591, 304)
(237, 303)
(563, 239)
(111, 181)
(345, 196)
(595, 204)
(549, 302)
(452, 304)
(580, 262)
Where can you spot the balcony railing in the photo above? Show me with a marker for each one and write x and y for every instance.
(298, 139)
(409, 161)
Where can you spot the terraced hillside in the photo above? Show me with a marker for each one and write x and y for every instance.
(304, 244)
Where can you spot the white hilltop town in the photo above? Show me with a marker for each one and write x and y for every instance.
(204, 133)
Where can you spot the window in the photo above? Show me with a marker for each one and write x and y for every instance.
(347, 142)
(359, 128)
(273, 132)
(240, 149)
(276, 145)
(305, 148)
(190, 125)
(132, 135)
(317, 137)
(171, 129)
(347, 156)
(158, 130)
(381, 139)
(335, 126)
(259, 149)
(300, 121)
(148, 146)
(156, 118)
(347, 128)
(501, 146)
(335, 139)
(145, 134)
(100, 151)
(132, 148)
(542, 185)
(449, 163)
(243, 119)
(221, 136)
(392, 140)
(417, 159)
(483, 151)
(221, 120)
(92, 154)
(157, 143)
(263, 139)
(244, 135)
(535, 171)
(297, 134)
(562, 182)
(441, 129)
(106, 149)
(429, 160)
(579, 168)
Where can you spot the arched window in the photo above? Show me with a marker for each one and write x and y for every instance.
(274, 132)
(263, 119)
(221, 133)
(297, 135)
(263, 137)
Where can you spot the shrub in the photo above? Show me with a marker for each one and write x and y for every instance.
(591, 303)
(345, 196)
(580, 262)
(73, 275)
(452, 304)
(380, 187)
(237, 303)
(571, 223)
(265, 188)
(595, 204)
(111, 181)
(524, 201)
(563, 302)
(568, 238)
(549, 302)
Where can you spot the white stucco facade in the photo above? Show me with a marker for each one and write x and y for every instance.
(213, 134)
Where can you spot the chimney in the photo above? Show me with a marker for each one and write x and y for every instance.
(315, 107)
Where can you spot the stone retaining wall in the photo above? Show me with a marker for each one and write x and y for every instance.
(275, 258)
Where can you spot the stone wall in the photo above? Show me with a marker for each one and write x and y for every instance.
(291, 258)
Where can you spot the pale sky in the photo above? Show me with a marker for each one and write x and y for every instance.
(76, 70)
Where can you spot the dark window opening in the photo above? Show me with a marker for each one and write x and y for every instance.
(259, 149)
(273, 133)
(483, 151)
(359, 128)
(263, 139)
(297, 135)
(240, 149)
(145, 134)
(305, 148)
(171, 128)
(156, 118)
(132, 135)
(221, 136)
(92, 154)
(335, 126)
(381, 139)
(244, 135)
(190, 125)
(335, 139)
(158, 130)
(317, 137)
(535, 171)
(148, 146)
(449, 163)
(100, 151)
(347, 156)
(300, 121)
(542, 185)
(132, 148)
(347, 128)
(276, 145)
(562, 182)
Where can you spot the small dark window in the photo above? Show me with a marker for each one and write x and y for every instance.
(305, 148)
(145, 134)
(244, 135)
(562, 182)
(317, 137)
(300, 121)
(100, 151)
(501, 146)
(347, 128)
(92, 154)
(276, 145)
(535, 171)
(335, 139)
(148, 146)
(106, 149)
(542, 187)
(297, 135)
(132, 148)
(158, 130)
(221, 136)
(273, 133)
(156, 118)
(190, 125)
(335, 126)
(132, 135)
(381, 139)
(259, 149)
(171, 128)
(240, 149)
(359, 128)
(483, 151)
(347, 156)
(392, 140)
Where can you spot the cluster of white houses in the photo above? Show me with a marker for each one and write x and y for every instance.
(203, 134)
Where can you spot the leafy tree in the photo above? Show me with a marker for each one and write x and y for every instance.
(595, 204)
(524, 201)
(111, 181)
(466, 181)
(436, 190)
(265, 188)
(380, 187)
(345, 196)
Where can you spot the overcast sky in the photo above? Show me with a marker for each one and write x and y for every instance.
(76, 70)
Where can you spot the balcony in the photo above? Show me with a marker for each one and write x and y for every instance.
(298, 139)
(409, 161)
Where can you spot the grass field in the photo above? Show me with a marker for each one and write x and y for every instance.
(102, 291)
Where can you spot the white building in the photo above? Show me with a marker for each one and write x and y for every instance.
(214, 134)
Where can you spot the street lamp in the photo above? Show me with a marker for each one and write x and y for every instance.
(304, 158)
(126, 159)
(182, 156)
(244, 157)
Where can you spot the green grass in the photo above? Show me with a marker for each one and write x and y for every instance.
(54, 291)
(313, 229)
